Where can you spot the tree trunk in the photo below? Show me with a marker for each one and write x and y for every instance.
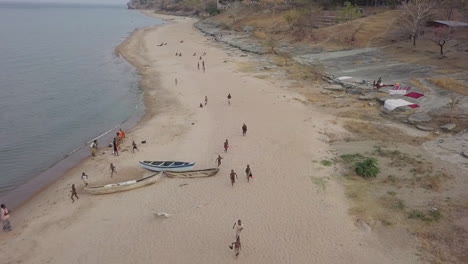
(441, 50)
(414, 41)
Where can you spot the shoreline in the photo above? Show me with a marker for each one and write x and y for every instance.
(175, 127)
(39, 183)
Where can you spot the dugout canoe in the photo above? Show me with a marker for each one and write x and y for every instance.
(124, 186)
(167, 165)
(192, 173)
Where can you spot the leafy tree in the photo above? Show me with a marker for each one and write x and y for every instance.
(348, 12)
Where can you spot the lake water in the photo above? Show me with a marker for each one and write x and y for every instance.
(61, 85)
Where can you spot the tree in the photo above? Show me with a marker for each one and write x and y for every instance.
(271, 43)
(286, 56)
(450, 5)
(234, 9)
(440, 36)
(348, 12)
(415, 12)
(292, 16)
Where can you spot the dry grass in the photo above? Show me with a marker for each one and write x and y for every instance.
(389, 210)
(374, 131)
(371, 31)
(418, 84)
(450, 85)
(245, 67)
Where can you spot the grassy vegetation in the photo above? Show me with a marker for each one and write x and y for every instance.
(320, 182)
(432, 215)
(326, 163)
(367, 168)
(418, 84)
(451, 85)
(351, 158)
(375, 131)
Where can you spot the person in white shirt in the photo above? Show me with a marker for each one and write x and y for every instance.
(5, 218)
(238, 227)
(84, 177)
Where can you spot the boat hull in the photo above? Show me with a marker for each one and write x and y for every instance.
(124, 186)
(162, 168)
(192, 173)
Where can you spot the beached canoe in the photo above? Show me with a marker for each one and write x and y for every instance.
(192, 173)
(167, 165)
(123, 186)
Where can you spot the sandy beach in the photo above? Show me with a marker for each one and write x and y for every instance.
(287, 217)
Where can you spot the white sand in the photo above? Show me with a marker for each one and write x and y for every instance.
(287, 218)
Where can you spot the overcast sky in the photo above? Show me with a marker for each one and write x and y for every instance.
(117, 2)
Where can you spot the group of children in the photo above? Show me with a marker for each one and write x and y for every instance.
(116, 143)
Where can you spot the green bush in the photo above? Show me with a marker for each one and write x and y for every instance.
(367, 168)
(433, 215)
(326, 163)
(212, 9)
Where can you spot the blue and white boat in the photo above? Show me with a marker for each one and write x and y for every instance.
(167, 165)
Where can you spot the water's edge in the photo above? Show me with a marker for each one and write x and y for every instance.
(28, 190)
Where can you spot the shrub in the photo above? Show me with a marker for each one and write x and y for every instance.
(326, 163)
(348, 12)
(212, 9)
(367, 168)
(349, 158)
(433, 215)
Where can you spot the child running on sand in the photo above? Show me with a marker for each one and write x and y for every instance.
(116, 147)
(239, 227)
(233, 176)
(229, 99)
(93, 148)
(73, 193)
(5, 215)
(244, 129)
(84, 178)
(248, 173)
(112, 169)
(237, 246)
(134, 146)
(206, 100)
(218, 159)
(226, 145)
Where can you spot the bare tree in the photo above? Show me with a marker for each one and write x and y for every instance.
(234, 9)
(454, 102)
(415, 12)
(271, 44)
(285, 55)
(440, 36)
(450, 5)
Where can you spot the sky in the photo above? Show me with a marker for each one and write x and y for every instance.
(117, 2)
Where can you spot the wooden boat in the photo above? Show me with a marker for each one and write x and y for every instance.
(167, 165)
(192, 173)
(123, 186)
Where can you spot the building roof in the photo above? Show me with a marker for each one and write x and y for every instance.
(450, 23)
